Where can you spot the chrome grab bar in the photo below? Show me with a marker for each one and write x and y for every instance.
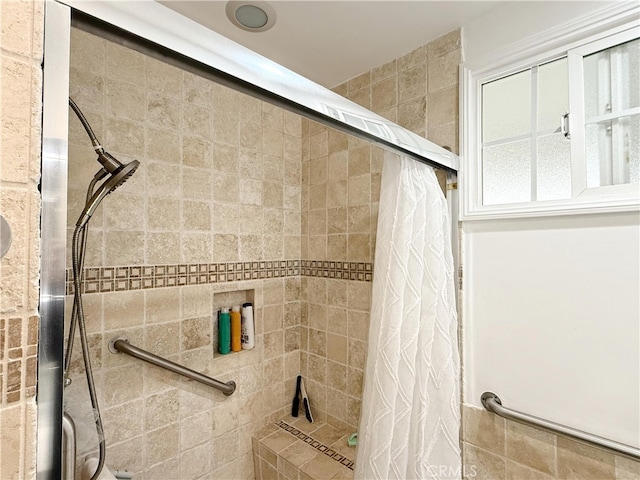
(68, 448)
(492, 403)
(122, 345)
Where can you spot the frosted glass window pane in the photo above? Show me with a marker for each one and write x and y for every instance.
(554, 167)
(506, 173)
(506, 107)
(613, 152)
(553, 94)
(612, 79)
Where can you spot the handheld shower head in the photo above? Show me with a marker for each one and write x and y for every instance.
(115, 179)
(118, 173)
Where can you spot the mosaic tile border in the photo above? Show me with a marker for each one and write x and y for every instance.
(143, 277)
(312, 442)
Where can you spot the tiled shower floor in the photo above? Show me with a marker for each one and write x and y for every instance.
(294, 449)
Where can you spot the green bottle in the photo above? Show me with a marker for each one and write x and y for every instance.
(224, 331)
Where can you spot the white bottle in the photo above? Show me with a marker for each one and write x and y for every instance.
(248, 327)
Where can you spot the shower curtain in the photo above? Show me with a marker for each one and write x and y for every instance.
(409, 428)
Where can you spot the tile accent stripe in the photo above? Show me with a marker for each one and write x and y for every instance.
(143, 277)
(312, 442)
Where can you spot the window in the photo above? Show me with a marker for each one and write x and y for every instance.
(558, 133)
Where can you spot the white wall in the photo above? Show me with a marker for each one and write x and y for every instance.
(551, 305)
(551, 319)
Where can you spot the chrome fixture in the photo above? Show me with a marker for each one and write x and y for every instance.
(492, 403)
(5, 236)
(122, 345)
(116, 174)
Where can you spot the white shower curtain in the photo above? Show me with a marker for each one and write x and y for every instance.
(410, 421)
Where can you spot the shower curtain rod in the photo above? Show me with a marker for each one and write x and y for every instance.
(155, 30)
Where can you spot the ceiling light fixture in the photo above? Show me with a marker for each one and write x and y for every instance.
(252, 16)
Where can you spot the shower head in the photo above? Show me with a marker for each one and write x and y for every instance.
(116, 178)
(117, 172)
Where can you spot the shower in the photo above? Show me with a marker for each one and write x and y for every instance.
(116, 174)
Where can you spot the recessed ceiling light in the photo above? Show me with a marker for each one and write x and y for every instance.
(252, 16)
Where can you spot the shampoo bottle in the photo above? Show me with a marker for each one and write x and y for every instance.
(236, 345)
(248, 327)
(224, 331)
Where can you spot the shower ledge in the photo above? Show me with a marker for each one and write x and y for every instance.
(294, 449)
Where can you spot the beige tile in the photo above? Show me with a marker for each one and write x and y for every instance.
(359, 247)
(161, 78)
(359, 189)
(161, 409)
(196, 152)
(128, 454)
(577, 461)
(356, 353)
(444, 44)
(337, 348)
(298, 453)
(196, 183)
(124, 64)
(196, 89)
(531, 447)
(336, 320)
(337, 376)
(196, 247)
(162, 180)
(225, 247)
(196, 461)
(413, 59)
(443, 70)
(225, 158)
(361, 81)
(338, 163)
(318, 196)
(162, 145)
(126, 136)
(88, 50)
(124, 421)
(515, 471)
(122, 384)
(196, 120)
(627, 469)
(196, 333)
(412, 114)
(384, 94)
(355, 381)
(163, 339)
(443, 106)
(337, 220)
(125, 101)
(384, 71)
(321, 467)
(412, 83)
(484, 429)
(162, 111)
(482, 465)
(123, 309)
(359, 295)
(195, 430)
(196, 215)
(445, 135)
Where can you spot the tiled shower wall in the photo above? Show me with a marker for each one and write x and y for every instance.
(340, 193)
(211, 218)
(20, 107)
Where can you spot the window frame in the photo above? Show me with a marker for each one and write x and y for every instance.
(611, 198)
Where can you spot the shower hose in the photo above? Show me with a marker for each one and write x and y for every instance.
(78, 249)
